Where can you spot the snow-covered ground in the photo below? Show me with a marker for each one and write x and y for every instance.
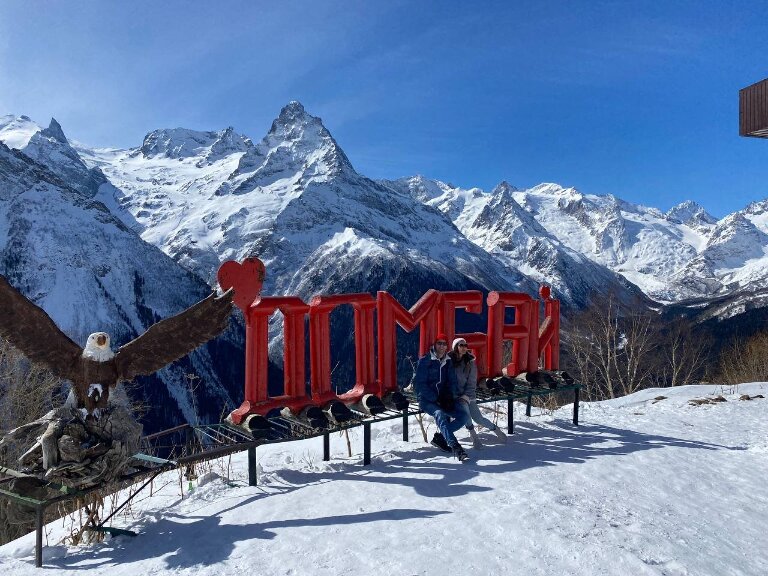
(640, 487)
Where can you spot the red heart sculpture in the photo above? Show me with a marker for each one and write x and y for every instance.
(246, 278)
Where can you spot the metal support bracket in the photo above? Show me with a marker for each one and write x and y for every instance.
(366, 443)
(576, 394)
(253, 479)
(40, 513)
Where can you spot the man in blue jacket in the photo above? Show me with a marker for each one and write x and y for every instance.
(435, 386)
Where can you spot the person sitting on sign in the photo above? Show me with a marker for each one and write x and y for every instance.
(435, 387)
(466, 376)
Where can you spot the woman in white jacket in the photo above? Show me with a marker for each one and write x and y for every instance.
(466, 396)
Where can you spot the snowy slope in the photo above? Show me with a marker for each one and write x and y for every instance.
(641, 487)
(67, 253)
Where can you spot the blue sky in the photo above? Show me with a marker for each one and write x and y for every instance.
(637, 99)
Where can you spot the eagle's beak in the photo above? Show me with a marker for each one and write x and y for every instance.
(101, 339)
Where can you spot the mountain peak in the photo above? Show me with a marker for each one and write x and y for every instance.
(184, 143)
(422, 188)
(504, 185)
(298, 139)
(295, 123)
(553, 189)
(294, 109)
(689, 212)
(503, 190)
(54, 131)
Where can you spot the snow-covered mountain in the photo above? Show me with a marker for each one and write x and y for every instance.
(294, 201)
(67, 253)
(51, 148)
(684, 253)
(550, 224)
(735, 255)
(497, 223)
(549, 231)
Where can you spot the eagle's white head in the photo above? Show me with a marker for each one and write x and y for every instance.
(97, 348)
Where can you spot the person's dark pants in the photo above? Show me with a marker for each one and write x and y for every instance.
(448, 421)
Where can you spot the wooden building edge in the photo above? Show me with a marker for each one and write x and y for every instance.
(753, 110)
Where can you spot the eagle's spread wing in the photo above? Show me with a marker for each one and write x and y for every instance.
(174, 337)
(27, 327)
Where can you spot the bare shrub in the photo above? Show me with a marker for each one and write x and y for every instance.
(27, 391)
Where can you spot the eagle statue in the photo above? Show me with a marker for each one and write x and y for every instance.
(95, 370)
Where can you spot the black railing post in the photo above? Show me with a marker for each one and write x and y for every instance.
(326, 446)
(405, 424)
(40, 513)
(576, 406)
(366, 443)
(528, 405)
(253, 479)
(510, 416)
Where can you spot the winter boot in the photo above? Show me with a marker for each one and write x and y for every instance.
(476, 444)
(500, 433)
(460, 454)
(439, 442)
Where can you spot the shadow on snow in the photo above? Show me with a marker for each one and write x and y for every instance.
(183, 540)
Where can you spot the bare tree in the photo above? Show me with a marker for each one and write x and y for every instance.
(592, 343)
(613, 347)
(745, 360)
(636, 353)
(616, 349)
(579, 346)
(685, 353)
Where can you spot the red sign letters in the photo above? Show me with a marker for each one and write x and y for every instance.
(435, 312)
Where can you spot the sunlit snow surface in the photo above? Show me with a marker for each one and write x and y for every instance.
(640, 487)
(16, 132)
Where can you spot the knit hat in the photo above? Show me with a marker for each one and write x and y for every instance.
(456, 342)
(441, 337)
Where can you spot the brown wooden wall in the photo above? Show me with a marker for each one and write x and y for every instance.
(753, 110)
